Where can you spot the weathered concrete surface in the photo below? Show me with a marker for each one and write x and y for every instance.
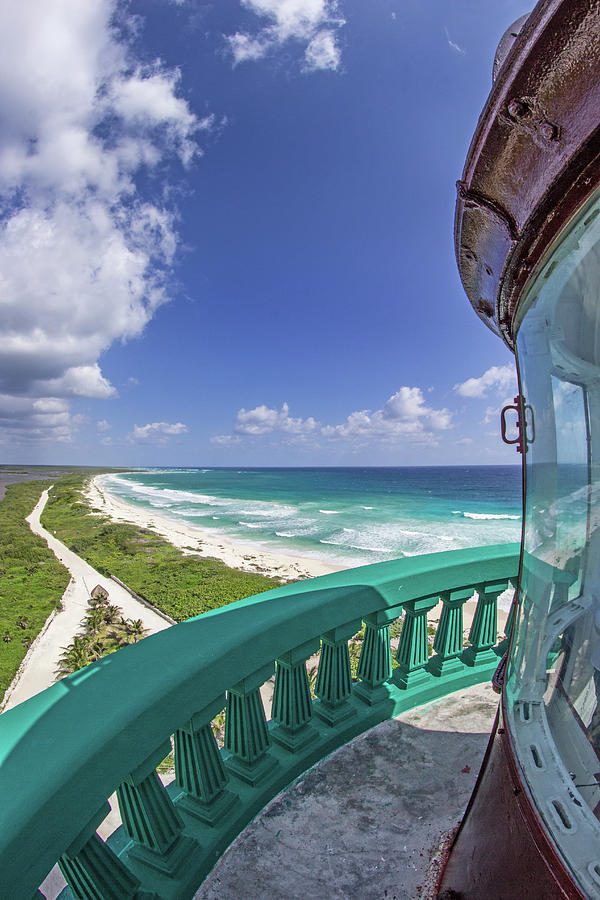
(364, 823)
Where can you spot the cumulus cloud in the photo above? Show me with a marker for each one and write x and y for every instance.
(501, 379)
(313, 23)
(84, 254)
(156, 432)
(262, 420)
(25, 418)
(103, 426)
(404, 416)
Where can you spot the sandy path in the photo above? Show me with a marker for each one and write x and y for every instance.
(37, 672)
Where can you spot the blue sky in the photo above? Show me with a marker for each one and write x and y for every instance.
(227, 233)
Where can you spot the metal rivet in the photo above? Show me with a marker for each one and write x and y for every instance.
(518, 109)
(549, 131)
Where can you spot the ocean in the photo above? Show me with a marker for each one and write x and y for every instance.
(345, 516)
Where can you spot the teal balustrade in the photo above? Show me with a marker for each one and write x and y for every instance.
(105, 728)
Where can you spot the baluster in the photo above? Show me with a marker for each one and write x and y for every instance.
(292, 705)
(334, 678)
(150, 818)
(199, 768)
(375, 663)
(92, 870)
(448, 642)
(413, 649)
(484, 629)
(246, 734)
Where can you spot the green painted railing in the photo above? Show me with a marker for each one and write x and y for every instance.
(106, 728)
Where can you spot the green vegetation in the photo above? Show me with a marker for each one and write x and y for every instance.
(32, 581)
(181, 586)
(105, 630)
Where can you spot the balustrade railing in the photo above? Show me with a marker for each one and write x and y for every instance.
(106, 728)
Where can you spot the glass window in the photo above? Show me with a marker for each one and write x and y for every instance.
(553, 687)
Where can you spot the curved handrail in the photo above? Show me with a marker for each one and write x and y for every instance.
(64, 751)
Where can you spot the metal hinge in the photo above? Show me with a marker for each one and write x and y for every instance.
(525, 424)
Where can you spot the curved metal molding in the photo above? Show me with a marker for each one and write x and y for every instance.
(534, 158)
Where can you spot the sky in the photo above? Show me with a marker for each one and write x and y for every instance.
(226, 233)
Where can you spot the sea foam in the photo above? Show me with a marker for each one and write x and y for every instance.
(484, 516)
(406, 521)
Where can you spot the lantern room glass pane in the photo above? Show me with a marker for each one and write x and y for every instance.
(553, 685)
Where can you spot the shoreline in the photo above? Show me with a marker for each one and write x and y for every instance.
(248, 557)
(193, 539)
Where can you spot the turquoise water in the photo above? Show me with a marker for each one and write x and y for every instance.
(344, 516)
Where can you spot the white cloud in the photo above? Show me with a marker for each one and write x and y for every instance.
(78, 381)
(453, 44)
(156, 432)
(322, 52)
(84, 255)
(263, 420)
(225, 440)
(103, 426)
(496, 378)
(404, 416)
(246, 48)
(311, 22)
(45, 419)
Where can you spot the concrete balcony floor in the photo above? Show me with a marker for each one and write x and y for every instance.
(366, 822)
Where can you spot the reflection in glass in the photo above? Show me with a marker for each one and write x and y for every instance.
(553, 688)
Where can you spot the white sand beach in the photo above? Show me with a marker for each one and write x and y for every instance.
(192, 539)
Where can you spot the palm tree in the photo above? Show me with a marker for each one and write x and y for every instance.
(135, 629)
(94, 620)
(75, 656)
(112, 613)
(115, 639)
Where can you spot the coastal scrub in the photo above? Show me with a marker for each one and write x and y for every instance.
(32, 580)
